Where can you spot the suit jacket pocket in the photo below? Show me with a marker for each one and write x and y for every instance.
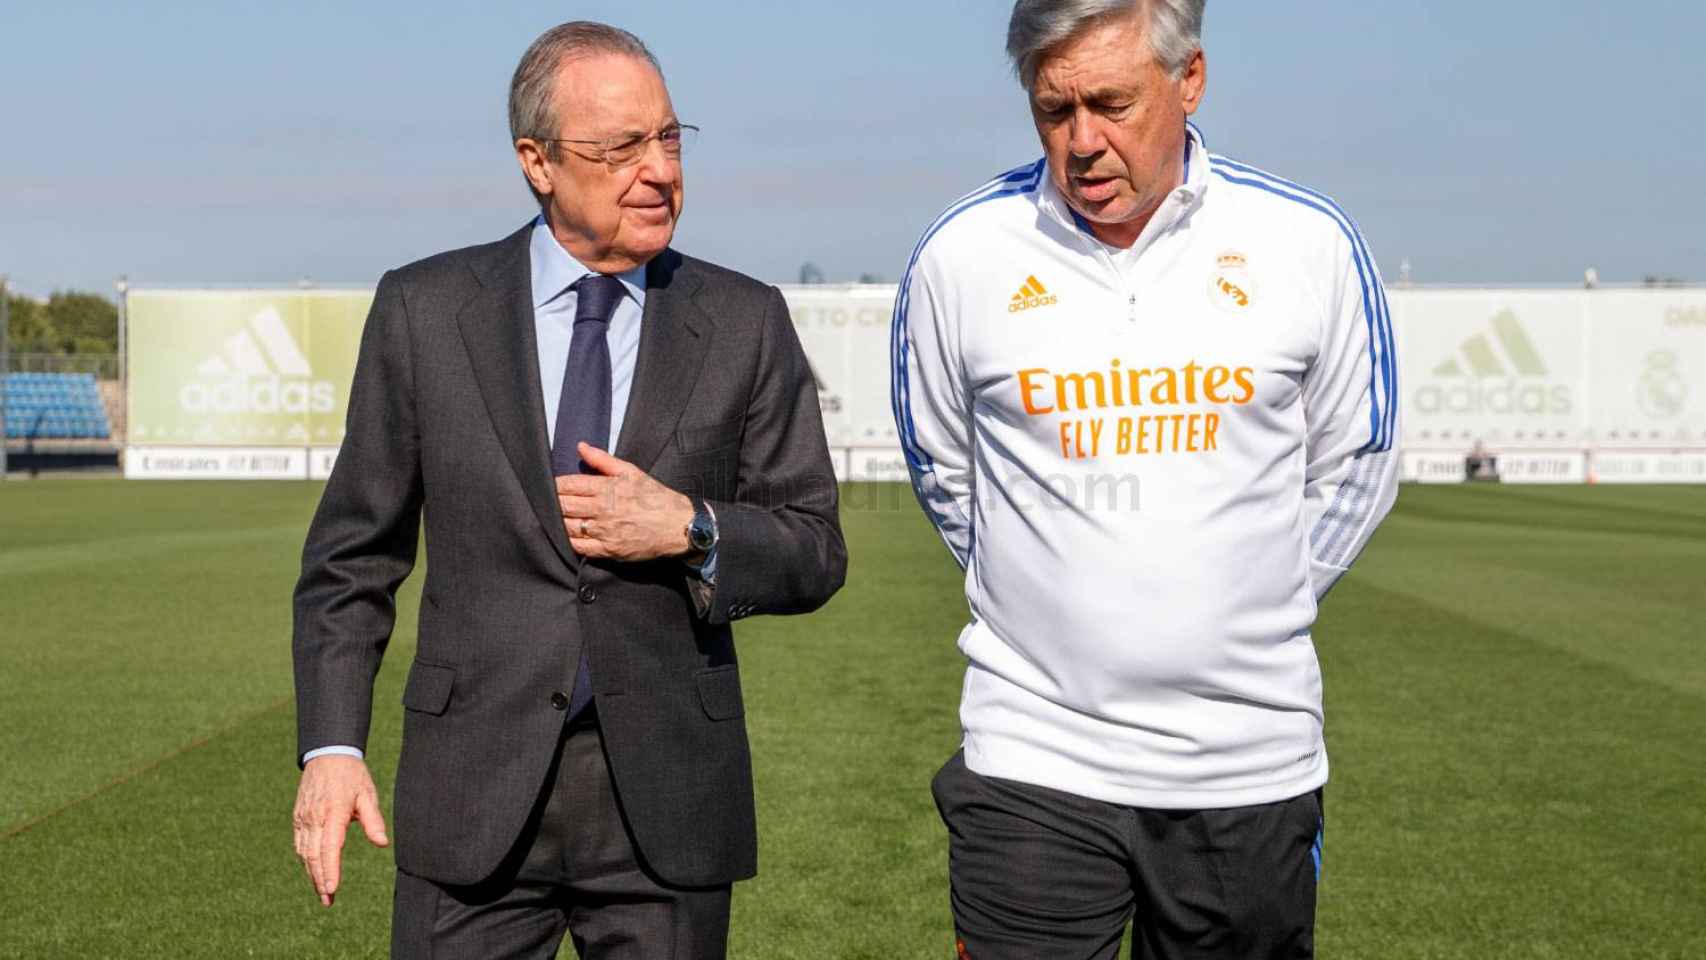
(719, 692)
(428, 689)
(697, 438)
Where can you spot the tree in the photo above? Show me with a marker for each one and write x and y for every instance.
(83, 322)
(69, 323)
(24, 331)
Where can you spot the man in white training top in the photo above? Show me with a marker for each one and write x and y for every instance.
(1147, 395)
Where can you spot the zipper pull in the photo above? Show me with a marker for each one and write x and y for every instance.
(1131, 307)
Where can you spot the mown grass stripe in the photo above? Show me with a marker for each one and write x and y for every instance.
(145, 769)
(19, 561)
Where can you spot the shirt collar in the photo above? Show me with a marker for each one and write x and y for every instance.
(1196, 167)
(1185, 198)
(554, 270)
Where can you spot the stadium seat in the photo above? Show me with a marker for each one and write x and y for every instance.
(57, 406)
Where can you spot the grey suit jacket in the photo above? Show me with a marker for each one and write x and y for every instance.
(446, 421)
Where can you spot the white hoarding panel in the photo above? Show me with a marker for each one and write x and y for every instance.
(1656, 467)
(1648, 369)
(1503, 367)
(215, 463)
(1425, 467)
(887, 465)
(845, 332)
(1561, 466)
(240, 368)
(320, 462)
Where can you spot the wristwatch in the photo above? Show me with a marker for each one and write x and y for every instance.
(702, 529)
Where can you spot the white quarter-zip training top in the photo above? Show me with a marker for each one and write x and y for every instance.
(1152, 464)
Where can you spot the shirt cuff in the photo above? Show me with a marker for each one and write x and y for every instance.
(333, 751)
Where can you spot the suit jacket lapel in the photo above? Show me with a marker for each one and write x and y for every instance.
(671, 353)
(497, 329)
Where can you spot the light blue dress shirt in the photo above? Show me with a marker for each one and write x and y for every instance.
(554, 271)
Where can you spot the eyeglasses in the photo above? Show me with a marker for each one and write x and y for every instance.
(620, 151)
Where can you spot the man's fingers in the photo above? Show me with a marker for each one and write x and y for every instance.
(372, 821)
(311, 860)
(306, 838)
(315, 855)
(583, 485)
(606, 463)
(577, 507)
(331, 852)
(588, 547)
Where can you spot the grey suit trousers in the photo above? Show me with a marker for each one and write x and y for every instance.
(574, 871)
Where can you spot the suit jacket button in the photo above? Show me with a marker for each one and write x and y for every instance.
(588, 594)
(559, 702)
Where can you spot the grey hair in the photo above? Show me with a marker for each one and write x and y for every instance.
(532, 90)
(1174, 30)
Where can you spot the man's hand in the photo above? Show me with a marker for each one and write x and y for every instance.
(621, 513)
(334, 790)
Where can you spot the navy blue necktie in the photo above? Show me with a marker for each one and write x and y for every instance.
(583, 410)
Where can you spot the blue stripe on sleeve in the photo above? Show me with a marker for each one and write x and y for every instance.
(1361, 488)
(1375, 308)
(1383, 315)
(1328, 540)
(1019, 180)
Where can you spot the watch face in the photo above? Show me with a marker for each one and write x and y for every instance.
(699, 532)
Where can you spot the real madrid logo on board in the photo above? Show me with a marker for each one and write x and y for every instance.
(1230, 286)
(1662, 389)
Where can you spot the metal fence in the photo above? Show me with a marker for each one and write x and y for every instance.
(103, 365)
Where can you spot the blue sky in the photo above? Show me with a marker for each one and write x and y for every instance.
(247, 142)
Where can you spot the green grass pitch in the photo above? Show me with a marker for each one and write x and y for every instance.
(1516, 687)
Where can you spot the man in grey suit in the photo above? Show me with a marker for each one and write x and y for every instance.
(617, 450)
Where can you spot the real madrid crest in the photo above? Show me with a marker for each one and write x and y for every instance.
(1230, 286)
